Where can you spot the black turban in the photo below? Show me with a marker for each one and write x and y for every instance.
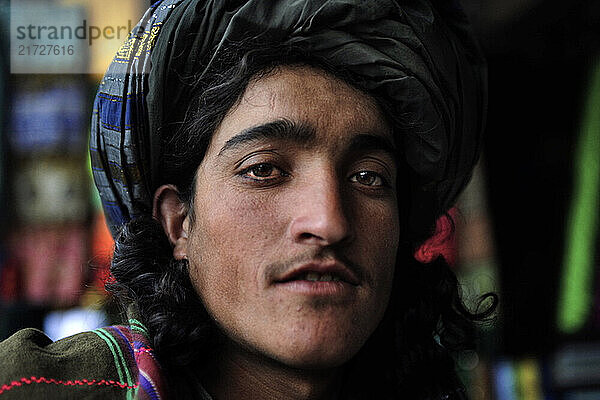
(420, 58)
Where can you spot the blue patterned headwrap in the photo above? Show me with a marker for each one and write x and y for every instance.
(421, 59)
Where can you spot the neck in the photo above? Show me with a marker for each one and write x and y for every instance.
(236, 373)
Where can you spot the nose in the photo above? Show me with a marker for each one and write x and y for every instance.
(319, 215)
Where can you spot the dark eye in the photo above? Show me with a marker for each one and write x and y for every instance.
(263, 172)
(367, 178)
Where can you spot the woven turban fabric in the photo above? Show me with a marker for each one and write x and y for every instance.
(421, 59)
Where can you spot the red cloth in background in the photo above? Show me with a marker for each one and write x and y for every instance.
(52, 263)
(442, 243)
(10, 281)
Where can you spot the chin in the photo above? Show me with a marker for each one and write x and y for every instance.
(327, 340)
(319, 353)
(316, 361)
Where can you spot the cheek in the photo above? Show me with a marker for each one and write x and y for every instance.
(232, 234)
(378, 236)
(378, 229)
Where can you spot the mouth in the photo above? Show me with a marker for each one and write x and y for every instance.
(323, 273)
(317, 277)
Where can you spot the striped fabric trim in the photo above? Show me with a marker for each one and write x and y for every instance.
(148, 385)
(119, 360)
(138, 326)
(134, 360)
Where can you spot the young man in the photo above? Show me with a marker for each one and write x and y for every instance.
(269, 171)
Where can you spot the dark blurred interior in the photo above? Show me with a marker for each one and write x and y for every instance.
(541, 58)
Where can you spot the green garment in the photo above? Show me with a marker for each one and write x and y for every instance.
(115, 362)
(77, 367)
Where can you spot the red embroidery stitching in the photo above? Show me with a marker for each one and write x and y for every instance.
(83, 382)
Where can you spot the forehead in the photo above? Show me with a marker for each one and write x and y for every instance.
(335, 110)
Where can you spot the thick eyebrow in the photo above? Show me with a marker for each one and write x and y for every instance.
(368, 142)
(273, 130)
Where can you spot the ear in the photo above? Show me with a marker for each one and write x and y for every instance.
(172, 214)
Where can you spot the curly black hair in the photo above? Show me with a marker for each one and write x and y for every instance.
(424, 324)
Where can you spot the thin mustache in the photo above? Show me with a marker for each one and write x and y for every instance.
(278, 269)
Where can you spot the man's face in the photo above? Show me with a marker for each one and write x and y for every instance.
(296, 226)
